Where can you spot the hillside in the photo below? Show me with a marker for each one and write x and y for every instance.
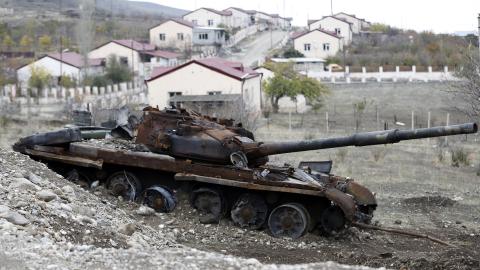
(119, 7)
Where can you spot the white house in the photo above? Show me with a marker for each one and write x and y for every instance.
(172, 33)
(127, 51)
(209, 17)
(357, 23)
(67, 64)
(206, 80)
(263, 18)
(240, 17)
(317, 43)
(339, 26)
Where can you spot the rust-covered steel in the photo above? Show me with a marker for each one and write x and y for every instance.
(222, 162)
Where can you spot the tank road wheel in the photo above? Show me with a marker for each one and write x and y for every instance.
(79, 178)
(289, 220)
(124, 184)
(159, 198)
(210, 203)
(249, 211)
(332, 220)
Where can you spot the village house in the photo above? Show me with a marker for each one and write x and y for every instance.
(140, 57)
(69, 64)
(264, 18)
(241, 18)
(207, 84)
(339, 26)
(209, 17)
(317, 43)
(357, 23)
(172, 33)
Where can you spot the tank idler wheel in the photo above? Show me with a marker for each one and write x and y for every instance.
(210, 203)
(333, 220)
(289, 220)
(79, 178)
(159, 198)
(124, 184)
(249, 211)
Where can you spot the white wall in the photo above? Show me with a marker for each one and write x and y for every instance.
(171, 29)
(356, 23)
(52, 66)
(316, 39)
(202, 16)
(195, 79)
(331, 24)
(238, 18)
(119, 51)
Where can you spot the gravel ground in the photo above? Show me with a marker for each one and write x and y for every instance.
(47, 222)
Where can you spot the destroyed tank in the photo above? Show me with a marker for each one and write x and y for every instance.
(222, 168)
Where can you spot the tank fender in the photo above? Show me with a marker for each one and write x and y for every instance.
(344, 201)
(361, 194)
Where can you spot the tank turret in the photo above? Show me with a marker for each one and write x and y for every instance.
(192, 136)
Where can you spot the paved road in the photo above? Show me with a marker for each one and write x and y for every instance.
(256, 48)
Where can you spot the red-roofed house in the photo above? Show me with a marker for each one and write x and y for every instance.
(318, 43)
(197, 80)
(357, 23)
(209, 17)
(138, 56)
(172, 33)
(339, 26)
(68, 63)
(240, 17)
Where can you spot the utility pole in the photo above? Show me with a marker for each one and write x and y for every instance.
(61, 50)
(331, 7)
(479, 34)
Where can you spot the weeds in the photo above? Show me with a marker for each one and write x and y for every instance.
(460, 157)
(341, 154)
(4, 121)
(378, 154)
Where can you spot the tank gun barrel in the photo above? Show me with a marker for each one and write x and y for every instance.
(363, 139)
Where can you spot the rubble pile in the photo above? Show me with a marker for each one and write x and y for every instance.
(47, 222)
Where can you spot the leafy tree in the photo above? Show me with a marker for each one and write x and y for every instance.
(45, 42)
(67, 81)
(26, 43)
(8, 42)
(291, 53)
(116, 72)
(39, 78)
(288, 83)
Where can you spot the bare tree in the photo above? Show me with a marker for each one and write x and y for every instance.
(467, 89)
(85, 30)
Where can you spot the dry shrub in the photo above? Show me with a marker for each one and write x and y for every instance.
(379, 153)
(460, 157)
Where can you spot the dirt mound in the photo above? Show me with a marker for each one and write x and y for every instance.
(430, 201)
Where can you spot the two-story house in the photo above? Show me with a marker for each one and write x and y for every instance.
(209, 17)
(317, 43)
(339, 26)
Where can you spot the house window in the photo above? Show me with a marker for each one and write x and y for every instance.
(162, 37)
(337, 31)
(180, 36)
(306, 47)
(195, 22)
(210, 22)
(203, 36)
(213, 93)
(326, 46)
(124, 60)
(172, 94)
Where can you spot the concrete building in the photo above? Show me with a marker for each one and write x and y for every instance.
(198, 80)
(209, 17)
(67, 64)
(357, 23)
(317, 43)
(240, 17)
(172, 33)
(339, 26)
(128, 52)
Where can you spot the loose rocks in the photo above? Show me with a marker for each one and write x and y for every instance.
(46, 195)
